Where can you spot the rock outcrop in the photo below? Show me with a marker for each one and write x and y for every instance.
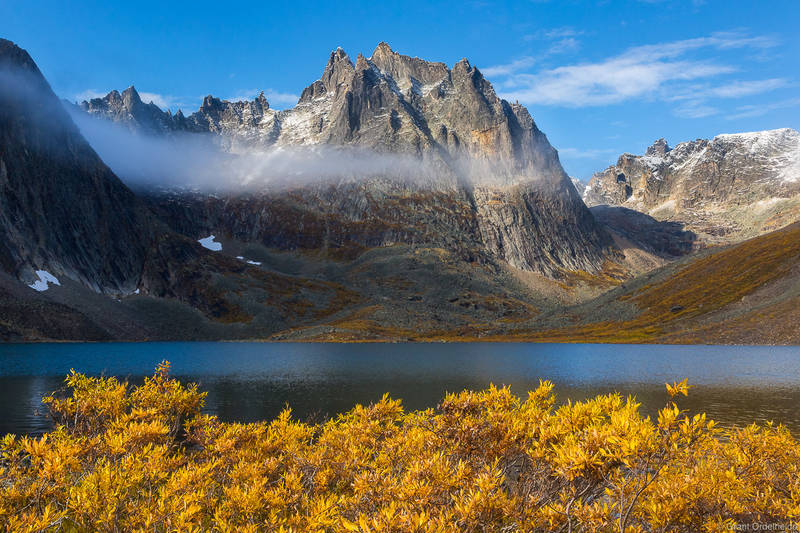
(128, 108)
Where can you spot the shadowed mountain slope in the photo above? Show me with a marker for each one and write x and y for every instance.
(61, 208)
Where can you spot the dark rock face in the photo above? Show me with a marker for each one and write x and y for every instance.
(61, 209)
(664, 238)
(489, 184)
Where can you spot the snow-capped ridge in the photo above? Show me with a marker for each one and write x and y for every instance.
(704, 179)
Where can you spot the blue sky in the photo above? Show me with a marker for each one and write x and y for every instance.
(600, 78)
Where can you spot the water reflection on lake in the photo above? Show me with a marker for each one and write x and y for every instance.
(255, 381)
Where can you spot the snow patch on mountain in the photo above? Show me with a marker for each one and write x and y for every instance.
(45, 278)
(209, 243)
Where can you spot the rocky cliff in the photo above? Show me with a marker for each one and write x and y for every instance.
(726, 188)
(63, 212)
(465, 169)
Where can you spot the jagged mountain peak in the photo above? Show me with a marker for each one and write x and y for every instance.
(659, 148)
(406, 69)
(451, 135)
(390, 100)
(131, 92)
(339, 64)
(383, 48)
(210, 102)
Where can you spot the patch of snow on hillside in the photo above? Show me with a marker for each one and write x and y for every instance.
(303, 124)
(248, 261)
(652, 161)
(761, 141)
(45, 277)
(692, 160)
(209, 243)
(792, 173)
(781, 146)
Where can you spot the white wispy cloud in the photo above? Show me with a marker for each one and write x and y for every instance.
(698, 109)
(509, 68)
(748, 111)
(161, 100)
(738, 89)
(88, 94)
(586, 153)
(562, 40)
(642, 72)
(554, 33)
(695, 98)
(565, 45)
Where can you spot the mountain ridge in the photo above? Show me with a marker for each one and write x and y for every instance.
(487, 155)
(489, 241)
(726, 189)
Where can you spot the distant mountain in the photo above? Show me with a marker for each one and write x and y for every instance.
(728, 188)
(129, 109)
(476, 175)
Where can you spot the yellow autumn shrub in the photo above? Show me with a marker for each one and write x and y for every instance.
(144, 458)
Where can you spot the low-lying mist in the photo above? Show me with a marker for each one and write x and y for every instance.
(198, 161)
(201, 162)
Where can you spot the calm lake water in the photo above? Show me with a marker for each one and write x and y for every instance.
(735, 385)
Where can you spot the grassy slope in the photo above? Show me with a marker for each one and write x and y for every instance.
(746, 293)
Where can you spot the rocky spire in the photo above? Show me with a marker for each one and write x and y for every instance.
(210, 102)
(659, 148)
(404, 68)
(338, 70)
(130, 97)
(261, 100)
